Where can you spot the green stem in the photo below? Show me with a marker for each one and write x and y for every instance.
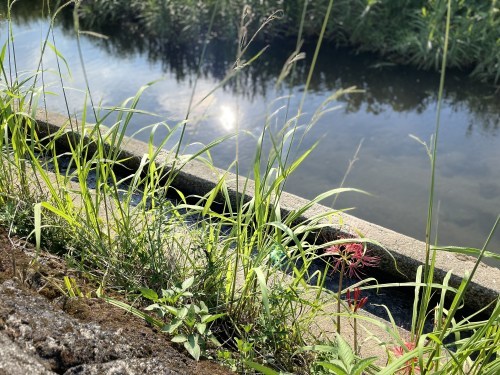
(341, 277)
(355, 336)
(429, 264)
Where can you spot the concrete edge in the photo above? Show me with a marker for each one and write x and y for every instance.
(196, 178)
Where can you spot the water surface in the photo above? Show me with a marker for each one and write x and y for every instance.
(396, 102)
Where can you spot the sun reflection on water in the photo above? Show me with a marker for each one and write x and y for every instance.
(227, 117)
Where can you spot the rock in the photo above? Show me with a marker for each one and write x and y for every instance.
(15, 361)
(38, 338)
(131, 366)
(60, 341)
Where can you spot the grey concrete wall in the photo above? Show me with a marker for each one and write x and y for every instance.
(409, 253)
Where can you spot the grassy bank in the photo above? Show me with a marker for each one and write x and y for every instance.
(404, 32)
(230, 279)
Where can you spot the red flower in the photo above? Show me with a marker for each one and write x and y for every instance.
(407, 369)
(355, 303)
(354, 256)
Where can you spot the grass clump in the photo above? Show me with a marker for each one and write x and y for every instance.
(230, 267)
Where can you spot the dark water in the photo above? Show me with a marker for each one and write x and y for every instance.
(396, 102)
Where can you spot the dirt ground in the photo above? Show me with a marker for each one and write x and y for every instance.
(44, 277)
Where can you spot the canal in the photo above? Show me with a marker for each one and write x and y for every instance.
(373, 130)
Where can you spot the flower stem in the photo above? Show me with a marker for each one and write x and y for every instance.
(355, 336)
(341, 276)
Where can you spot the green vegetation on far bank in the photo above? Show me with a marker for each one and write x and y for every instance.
(404, 31)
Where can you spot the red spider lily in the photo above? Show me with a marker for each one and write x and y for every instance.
(398, 351)
(349, 258)
(354, 256)
(356, 303)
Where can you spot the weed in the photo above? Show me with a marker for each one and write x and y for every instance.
(191, 322)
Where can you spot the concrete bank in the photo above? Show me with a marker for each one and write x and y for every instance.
(409, 253)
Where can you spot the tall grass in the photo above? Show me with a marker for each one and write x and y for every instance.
(246, 260)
